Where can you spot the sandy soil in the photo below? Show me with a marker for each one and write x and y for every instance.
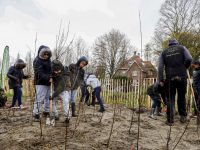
(18, 131)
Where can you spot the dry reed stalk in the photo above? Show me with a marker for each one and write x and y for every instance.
(140, 92)
(170, 110)
(112, 124)
(182, 135)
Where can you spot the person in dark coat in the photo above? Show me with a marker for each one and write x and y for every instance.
(154, 92)
(62, 85)
(84, 89)
(15, 75)
(42, 80)
(76, 78)
(176, 59)
(196, 88)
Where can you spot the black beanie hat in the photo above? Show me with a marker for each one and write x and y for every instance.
(56, 65)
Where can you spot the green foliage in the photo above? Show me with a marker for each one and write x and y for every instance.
(10, 96)
(190, 40)
(122, 77)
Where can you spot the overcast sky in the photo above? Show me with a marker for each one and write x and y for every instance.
(21, 19)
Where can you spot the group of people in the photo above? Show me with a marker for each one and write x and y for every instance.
(65, 81)
(176, 60)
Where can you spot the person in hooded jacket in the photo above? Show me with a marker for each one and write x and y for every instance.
(15, 75)
(76, 78)
(196, 88)
(62, 85)
(84, 89)
(176, 59)
(154, 92)
(96, 86)
(42, 80)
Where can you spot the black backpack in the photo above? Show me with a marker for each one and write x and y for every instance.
(3, 98)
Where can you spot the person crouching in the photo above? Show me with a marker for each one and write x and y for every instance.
(153, 91)
(62, 85)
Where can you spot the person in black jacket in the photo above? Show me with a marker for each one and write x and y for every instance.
(15, 75)
(84, 89)
(76, 78)
(154, 92)
(42, 80)
(176, 59)
(196, 87)
(62, 85)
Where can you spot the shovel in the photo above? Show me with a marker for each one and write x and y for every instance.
(48, 120)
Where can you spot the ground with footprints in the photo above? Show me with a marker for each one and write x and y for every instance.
(92, 129)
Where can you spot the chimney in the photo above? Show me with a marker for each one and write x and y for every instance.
(135, 53)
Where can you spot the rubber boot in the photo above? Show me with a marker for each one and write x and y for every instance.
(66, 122)
(151, 115)
(198, 121)
(73, 110)
(159, 111)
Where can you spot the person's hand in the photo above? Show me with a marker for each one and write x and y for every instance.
(17, 80)
(161, 84)
(51, 80)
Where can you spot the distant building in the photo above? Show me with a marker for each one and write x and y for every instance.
(134, 66)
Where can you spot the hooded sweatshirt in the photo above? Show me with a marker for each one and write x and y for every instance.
(15, 73)
(93, 82)
(156, 89)
(86, 76)
(61, 82)
(42, 67)
(77, 73)
(175, 59)
(196, 80)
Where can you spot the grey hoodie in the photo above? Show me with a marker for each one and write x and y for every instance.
(93, 82)
(87, 74)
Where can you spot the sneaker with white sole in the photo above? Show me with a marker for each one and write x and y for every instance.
(22, 107)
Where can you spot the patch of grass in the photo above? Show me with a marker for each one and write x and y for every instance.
(10, 96)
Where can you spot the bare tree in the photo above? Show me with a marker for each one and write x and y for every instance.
(177, 17)
(110, 51)
(29, 64)
(147, 52)
(1, 62)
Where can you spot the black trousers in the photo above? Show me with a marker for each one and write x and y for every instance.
(197, 99)
(172, 86)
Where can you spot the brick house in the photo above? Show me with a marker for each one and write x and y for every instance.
(134, 66)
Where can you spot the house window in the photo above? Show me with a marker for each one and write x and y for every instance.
(135, 82)
(134, 73)
(123, 72)
(151, 73)
(130, 64)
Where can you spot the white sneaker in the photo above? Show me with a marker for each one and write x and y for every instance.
(22, 107)
(14, 107)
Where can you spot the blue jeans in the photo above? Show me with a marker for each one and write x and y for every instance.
(17, 95)
(85, 92)
(96, 93)
(156, 102)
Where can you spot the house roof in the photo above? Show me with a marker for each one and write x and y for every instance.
(143, 65)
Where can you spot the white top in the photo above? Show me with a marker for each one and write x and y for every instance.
(93, 82)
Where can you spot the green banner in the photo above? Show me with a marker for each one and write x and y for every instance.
(4, 66)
